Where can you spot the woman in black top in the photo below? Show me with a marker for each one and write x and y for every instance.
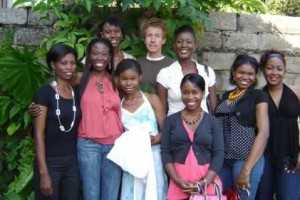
(244, 114)
(56, 171)
(192, 142)
(282, 170)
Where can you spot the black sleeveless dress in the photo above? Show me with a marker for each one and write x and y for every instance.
(283, 146)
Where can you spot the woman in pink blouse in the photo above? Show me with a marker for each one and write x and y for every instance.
(100, 124)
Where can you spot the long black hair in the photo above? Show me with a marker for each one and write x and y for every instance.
(88, 66)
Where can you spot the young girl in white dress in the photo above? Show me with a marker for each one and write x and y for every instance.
(137, 109)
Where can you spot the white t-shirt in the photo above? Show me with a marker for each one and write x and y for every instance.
(170, 77)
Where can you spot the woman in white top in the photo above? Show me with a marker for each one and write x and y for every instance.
(169, 78)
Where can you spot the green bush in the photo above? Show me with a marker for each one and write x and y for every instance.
(284, 7)
(21, 74)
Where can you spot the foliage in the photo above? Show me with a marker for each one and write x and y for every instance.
(77, 20)
(17, 66)
(21, 74)
(249, 6)
(284, 7)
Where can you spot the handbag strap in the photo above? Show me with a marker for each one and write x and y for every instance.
(217, 189)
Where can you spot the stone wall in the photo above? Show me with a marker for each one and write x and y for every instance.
(231, 34)
(228, 35)
(29, 29)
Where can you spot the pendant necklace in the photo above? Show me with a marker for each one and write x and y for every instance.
(58, 112)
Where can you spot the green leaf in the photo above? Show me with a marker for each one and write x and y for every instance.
(14, 110)
(80, 50)
(12, 128)
(21, 66)
(156, 4)
(4, 104)
(88, 5)
(27, 119)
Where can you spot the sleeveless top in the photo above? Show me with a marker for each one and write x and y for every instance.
(142, 115)
(283, 145)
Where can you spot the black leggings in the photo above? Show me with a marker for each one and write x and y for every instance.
(64, 175)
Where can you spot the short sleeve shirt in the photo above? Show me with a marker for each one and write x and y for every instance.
(170, 78)
(58, 143)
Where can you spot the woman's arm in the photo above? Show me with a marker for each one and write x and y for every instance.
(297, 92)
(163, 96)
(159, 114)
(158, 108)
(217, 150)
(39, 136)
(257, 150)
(212, 99)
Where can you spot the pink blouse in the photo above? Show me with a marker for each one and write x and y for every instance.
(100, 113)
(189, 171)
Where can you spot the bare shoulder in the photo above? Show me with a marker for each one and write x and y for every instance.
(153, 99)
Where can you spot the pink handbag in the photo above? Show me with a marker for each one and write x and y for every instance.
(204, 196)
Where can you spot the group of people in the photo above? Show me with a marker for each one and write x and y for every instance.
(248, 140)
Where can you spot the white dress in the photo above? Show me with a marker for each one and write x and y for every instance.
(143, 115)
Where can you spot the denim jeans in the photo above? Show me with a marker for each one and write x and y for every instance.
(100, 177)
(231, 170)
(64, 175)
(285, 185)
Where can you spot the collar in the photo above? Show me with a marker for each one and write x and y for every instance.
(155, 59)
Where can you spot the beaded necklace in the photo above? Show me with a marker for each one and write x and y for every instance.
(192, 122)
(58, 112)
(235, 94)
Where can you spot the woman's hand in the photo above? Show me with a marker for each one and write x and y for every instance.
(46, 185)
(243, 180)
(34, 110)
(186, 186)
(155, 139)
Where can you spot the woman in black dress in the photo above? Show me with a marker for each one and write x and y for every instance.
(282, 168)
(56, 171)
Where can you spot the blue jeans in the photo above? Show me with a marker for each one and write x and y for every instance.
(231, 170)
(285, 185)
(100, 177)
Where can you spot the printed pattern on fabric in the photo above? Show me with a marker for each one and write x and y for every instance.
(238, 139)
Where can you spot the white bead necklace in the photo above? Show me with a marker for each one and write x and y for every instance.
(58, 112)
